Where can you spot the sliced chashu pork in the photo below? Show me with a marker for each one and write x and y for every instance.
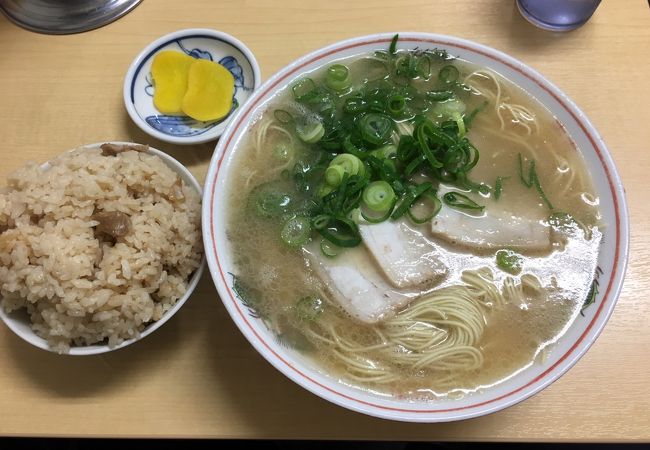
(494, 228)
(356, 283)
(404, 255)
(394, 266)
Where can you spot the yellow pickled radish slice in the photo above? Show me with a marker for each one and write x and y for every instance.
(170, 70)
(210, 88)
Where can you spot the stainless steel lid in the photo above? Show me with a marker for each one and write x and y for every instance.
(65, 16)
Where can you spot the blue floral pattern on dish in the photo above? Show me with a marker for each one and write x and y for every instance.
(230, 63)
(149, 87)
(183, 126)
(195, 52)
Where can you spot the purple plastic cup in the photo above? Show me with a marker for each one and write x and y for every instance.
(557, 15)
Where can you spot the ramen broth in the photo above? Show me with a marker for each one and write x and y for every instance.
(539, 302)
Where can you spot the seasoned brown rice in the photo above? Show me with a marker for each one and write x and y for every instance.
(83, 286)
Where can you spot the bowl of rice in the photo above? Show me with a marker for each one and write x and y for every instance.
(99, 247)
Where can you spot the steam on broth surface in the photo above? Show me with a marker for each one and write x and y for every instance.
(473, 268)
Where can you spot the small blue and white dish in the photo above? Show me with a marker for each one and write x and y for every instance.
(198, 43)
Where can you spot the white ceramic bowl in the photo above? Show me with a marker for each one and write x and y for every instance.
(582, 333)
(19, 322)
(198, 43)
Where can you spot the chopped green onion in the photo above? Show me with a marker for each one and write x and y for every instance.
(336, 200)
(439, 55)
(381, 54)
(355, 215)
(423, 67)
(270, 200)
(475, 157)
(591, 295)
(509, 261)
(498, 187)
(384, 167)
(311, 133)
(320, 222)
(350, 164)
(303, 88)
(324, 189)
(392, 49)
(379, 216)
(425, 208)
(319, 100)
(338, 77)
(306, 207)
(461, 124)
(309, 308)
(379, 196)
(538, 187)
(376, 128)
(296, 231)
(272, 204)
(409, 198)
(469, 118)
(341, 232)
(460, 201)
(448, 108)
(334, 175)
(448, 74)
(533, 180)
(521, 172)
(483, 189)
(328, 249)
(414, 165)
(384, 152)
(426, 133)
(416, 106)
(304, 175)
(531, 173)
(407, 148)
(283, 116)
(355, 105)
(351, 148)
(439, 95)
(356, 146)
(405, 65)
(396, 104)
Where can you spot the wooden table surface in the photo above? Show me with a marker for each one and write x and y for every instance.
(197, 376)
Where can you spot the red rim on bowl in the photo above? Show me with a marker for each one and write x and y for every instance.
(609, 187)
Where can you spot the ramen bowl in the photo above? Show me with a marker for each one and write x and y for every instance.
(305, 371)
